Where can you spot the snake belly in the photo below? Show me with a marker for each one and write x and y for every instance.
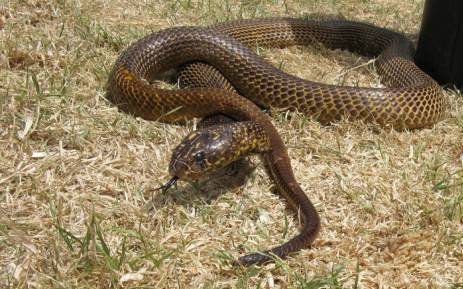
(411, 100)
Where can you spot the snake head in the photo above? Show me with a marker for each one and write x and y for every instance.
(202, 152)
(206, 150)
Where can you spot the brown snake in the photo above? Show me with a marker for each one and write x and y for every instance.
(411, 100)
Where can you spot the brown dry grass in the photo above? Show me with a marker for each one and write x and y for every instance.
(77, 177)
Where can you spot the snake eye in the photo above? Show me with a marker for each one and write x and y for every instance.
(199, 158)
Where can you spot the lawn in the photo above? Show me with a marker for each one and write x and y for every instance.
(78, 205)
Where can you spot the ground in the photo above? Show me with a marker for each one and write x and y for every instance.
(78, 206)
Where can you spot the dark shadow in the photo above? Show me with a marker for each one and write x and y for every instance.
(210, 188)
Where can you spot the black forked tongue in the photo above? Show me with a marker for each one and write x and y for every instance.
(167, 185)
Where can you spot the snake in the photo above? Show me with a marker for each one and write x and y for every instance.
(232, 80)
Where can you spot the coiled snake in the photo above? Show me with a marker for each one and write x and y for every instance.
(411, 100)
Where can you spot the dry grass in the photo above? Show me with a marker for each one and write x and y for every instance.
(77, 177)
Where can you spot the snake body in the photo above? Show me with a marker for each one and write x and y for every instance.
(411, 100)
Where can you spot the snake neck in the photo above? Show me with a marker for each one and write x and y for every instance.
(279, 168)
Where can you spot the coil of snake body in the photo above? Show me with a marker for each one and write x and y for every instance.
(412, 99)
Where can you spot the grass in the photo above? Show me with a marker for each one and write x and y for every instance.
(78, 207)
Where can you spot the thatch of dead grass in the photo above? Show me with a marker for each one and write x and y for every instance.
(77, 206)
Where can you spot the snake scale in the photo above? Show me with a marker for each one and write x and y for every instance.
(412, 99)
